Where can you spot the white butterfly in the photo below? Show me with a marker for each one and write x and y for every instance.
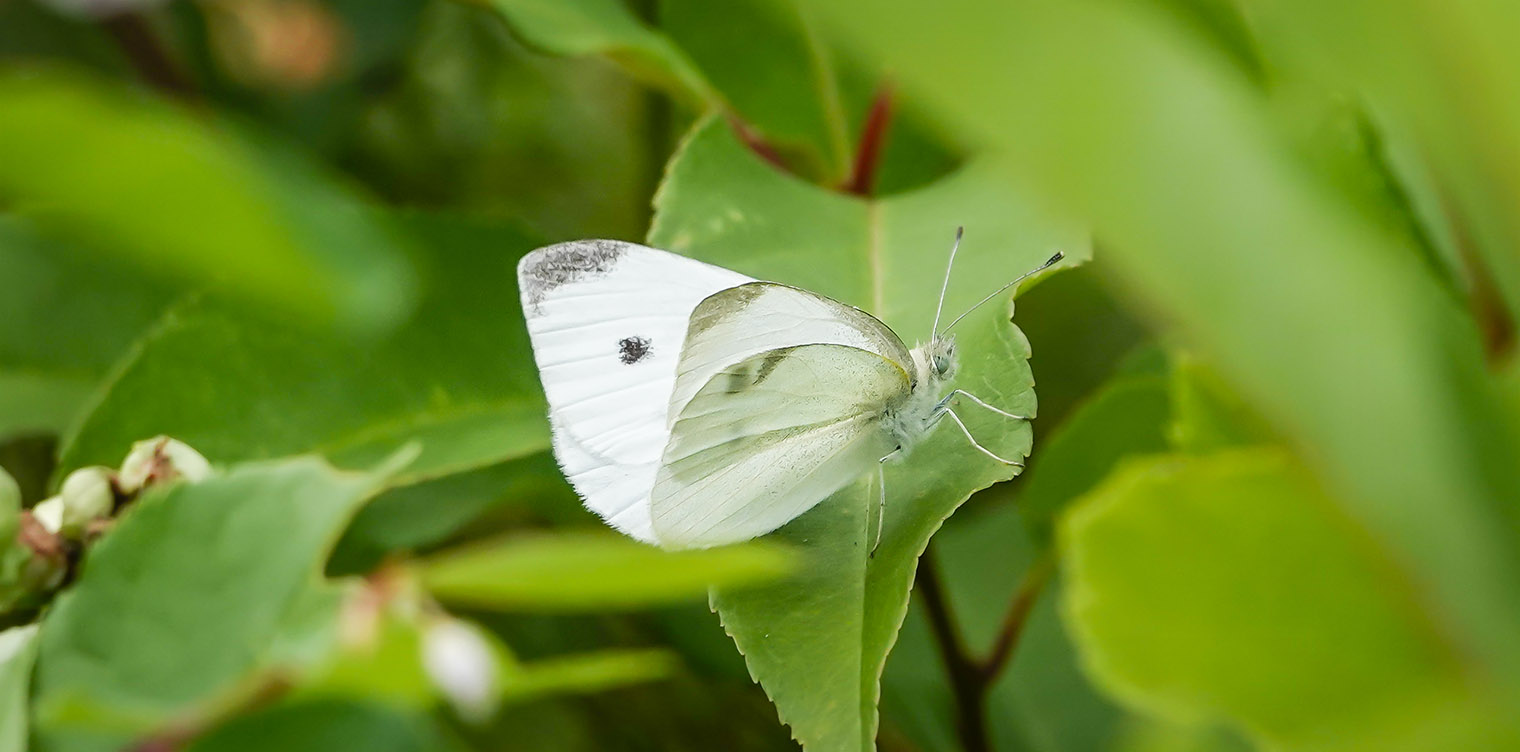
(692, 406)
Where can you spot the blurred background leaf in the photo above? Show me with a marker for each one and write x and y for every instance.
(1216, 223)
(18, 649)
(288, 226)
(597, 572)
(1229, 586)
(454, 378)
(110, 166)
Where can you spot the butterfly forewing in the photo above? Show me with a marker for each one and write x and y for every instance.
(607, 320)
(767, 438)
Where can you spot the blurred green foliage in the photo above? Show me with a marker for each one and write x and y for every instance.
(1272, 499)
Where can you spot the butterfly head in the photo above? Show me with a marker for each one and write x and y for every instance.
(940, 354)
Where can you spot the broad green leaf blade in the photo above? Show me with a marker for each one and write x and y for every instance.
(585, 673)
(82, 311)
(186, 598)
(818, 643)
(1126, 416)
(179, 196)
(1216, 224)
(1229, 586)
(18, 650)
(1449, 73)
(455, 378)
(1207, 414)
(774, 71)
(609, 28)
(422, 515)
(326, 726)
(593, 571)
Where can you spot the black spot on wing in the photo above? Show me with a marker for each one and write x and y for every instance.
(633, 349)
(547, 268)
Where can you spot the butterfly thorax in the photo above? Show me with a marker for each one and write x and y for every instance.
(909, 421)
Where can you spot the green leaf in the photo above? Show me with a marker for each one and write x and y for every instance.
(10, 507)
(1217, 224)
(818, 643)
(85, 309)
(1207, 414)
(1127, 416)
(1447, 75)
(324, 726)
(188, 596)
(592, 571)
(608, 28)
(773, 71)
(597, 671)
(18, 650)
(455, 378)
(179, 196)
(1230, 586)
(424, 514)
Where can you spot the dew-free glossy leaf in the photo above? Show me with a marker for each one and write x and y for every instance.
(191, 200)
(189, 595)
(456, 378)
(818, 643)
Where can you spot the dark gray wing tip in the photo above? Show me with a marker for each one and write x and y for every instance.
(547, 268)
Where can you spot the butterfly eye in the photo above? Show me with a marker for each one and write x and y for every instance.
(941, 364)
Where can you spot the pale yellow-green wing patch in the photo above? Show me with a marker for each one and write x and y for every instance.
(740, 322)
(767, 438)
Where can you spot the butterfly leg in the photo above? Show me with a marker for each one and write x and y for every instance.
(881, 504)
(980, 401)
(972, 439)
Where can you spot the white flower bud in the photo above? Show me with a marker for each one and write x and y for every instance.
(462, 665)
(158, 460)
(49, 514)
(87, 496)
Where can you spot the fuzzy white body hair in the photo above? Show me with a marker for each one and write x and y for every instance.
(909, 421)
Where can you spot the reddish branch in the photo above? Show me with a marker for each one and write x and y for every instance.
(756, 142)
(971, 679)
(146, 52)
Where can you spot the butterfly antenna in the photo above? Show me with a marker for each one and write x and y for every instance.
(1026, 275)
(959, 231)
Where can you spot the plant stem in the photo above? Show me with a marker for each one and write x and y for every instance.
(971, 680)
(967, 681)
(1018, 614)
(146, 52)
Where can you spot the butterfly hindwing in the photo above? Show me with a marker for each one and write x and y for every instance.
(756, 317)
(607, 320)
(768, 437)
